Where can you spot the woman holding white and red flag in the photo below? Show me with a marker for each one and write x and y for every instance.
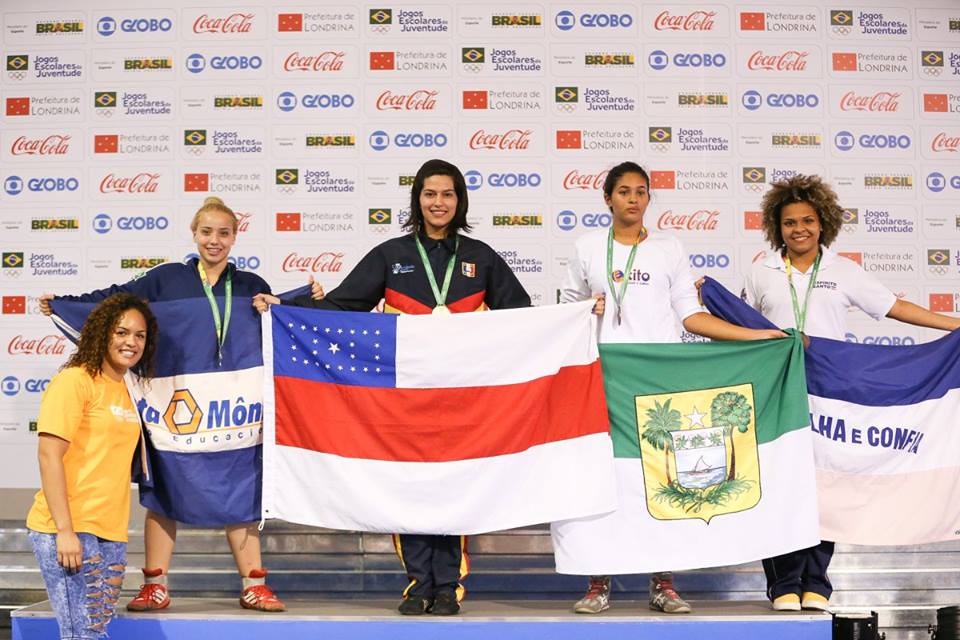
(433, 269)
(646, 280)
(802, 284)
(182, 490)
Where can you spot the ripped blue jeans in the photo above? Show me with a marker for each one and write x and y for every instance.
(83, 601)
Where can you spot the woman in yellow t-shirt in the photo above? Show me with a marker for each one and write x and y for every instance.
(88, 432)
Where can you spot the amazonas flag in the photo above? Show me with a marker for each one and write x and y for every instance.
(884, 421)
(714, 465)
(456, 424)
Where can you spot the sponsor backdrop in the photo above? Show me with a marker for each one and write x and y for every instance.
(310, 119)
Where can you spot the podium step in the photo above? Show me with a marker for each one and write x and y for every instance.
(904, 584)
(375, 619)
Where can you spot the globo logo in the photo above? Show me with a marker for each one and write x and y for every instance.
(240, 262)
(107, 26)
(380, 140)
(660, 60)
(327, 101)
(937, 182)
(474, 179)
(232, 63)
(514, 180)
(890, 341)
(11, 386)
(595, 220)
(709, 260)
(845, 141)
(53, 184)
(103, 223)
(753, 100)
(251, 263)
(288, 101)
(420, 140)
(14, 185)
(145, 25)
(197, 63)
(35, 385)
(566, 20)
(567, 220)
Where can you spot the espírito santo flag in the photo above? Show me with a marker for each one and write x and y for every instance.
(885, 438)
(457, 424)
(714, 462)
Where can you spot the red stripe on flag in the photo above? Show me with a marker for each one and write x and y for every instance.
(440, 425)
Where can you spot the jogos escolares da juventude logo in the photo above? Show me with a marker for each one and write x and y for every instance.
(699, 465)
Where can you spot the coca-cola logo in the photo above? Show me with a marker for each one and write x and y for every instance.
(787, 61)
(879, 101)
(943, 142)
(142, 182)
(584, 181)
(693, 21)
(701, 220)
(48, 345)
(234, 23)
(52, 145)
(418, 100)
(512, 140)
(324, 61)
(243, 221)
(326, 262)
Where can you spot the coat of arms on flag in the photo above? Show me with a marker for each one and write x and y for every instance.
(712, 446)
(699, 464)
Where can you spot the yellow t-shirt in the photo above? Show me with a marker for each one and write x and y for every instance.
(98, 419)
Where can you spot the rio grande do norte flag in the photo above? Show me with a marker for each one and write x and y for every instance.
(714, 459)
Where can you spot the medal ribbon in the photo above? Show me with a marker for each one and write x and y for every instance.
(439, 295)
(800, 313)
(221, 328)
(618, 296)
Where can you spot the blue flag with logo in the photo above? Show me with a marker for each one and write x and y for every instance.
(883, 420)
(203, 418)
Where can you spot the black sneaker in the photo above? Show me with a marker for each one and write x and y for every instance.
(445, 604)
(414, 606)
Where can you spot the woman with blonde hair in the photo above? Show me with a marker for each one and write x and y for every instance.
(211, 276)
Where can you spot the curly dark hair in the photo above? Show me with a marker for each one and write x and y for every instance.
(98, 330)
(800, 188)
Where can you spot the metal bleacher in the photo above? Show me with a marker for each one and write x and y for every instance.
(904, 584)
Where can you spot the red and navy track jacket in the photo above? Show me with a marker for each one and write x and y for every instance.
(393, 271)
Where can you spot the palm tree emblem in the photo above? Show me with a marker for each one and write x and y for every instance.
(661, 421)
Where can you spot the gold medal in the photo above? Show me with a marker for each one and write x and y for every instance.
(441, 310)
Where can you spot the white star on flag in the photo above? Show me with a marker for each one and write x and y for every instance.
(696, 418)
